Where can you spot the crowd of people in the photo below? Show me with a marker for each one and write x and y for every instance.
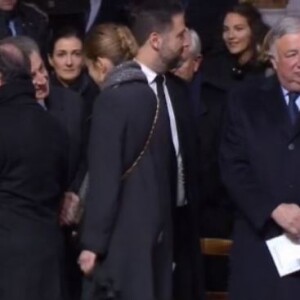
(123, 142)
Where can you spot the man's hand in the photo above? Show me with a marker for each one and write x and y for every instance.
(69, 209)
(87, 262)
(287, 216)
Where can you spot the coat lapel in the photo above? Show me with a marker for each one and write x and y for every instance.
(276, 107)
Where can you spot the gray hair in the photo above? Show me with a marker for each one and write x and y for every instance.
(14, 65)
(24, 43)
(195, 46)
(287, 25)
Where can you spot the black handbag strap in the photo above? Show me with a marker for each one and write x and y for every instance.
(146, 145)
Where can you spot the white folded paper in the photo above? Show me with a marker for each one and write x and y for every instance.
(285, 253)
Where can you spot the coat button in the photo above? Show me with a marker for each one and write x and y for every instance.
(291, 147)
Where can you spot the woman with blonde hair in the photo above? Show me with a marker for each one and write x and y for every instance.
(128, 199)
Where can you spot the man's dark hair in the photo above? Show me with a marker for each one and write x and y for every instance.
(14, 65)
(154, 16)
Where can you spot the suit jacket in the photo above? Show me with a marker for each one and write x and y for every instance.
(260, 164)
(216, 211)
(192, 288)
(67, 107)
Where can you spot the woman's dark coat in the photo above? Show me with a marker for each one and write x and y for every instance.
(128, 221)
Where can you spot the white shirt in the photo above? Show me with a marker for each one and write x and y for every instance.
(151, 75)
(94, 9)
(42, 104)
(286, 97)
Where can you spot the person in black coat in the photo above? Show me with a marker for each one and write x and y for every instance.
(188, 274)
(205, 17)
(33, 178)
(18, 18)
(66, 107)
(222, 72)
(65, 56)
(127, 235)
(260, 168)
(115, 11)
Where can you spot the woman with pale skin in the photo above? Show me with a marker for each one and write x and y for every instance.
(107, 46)
(243, 33)
(66, 59)
(127, 198)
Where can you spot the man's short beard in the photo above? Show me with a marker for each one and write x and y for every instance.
(172, 64)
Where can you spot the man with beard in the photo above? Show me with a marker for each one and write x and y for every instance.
(161, 34)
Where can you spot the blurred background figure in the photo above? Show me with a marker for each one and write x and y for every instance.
(222, 71)
(19, 18)
(189, 70)
(83, 14)
(243, 35)
(191, 57)
(205, 17)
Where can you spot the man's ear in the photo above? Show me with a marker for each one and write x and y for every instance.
(155, 40)
(99, 64)
(50, 60)
(273, 62)
(197, 63)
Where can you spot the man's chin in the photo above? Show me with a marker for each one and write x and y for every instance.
(41, 96)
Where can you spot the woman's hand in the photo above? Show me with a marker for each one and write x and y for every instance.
(87, 262)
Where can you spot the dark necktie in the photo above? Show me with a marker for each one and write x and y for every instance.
(292, 106)
(165, 119)
(159, 80)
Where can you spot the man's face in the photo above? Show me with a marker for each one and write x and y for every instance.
(40, 77)
(189, 63)
(7, 5)
(189, 66)
(172, 42)
(286, 61)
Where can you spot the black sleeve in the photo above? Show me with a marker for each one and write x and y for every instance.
(248, 194)
(105, 171)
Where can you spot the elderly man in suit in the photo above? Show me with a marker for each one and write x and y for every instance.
(260, 165)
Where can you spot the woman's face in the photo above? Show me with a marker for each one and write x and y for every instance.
(99, 68)
(67, 59)
(237, 34)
